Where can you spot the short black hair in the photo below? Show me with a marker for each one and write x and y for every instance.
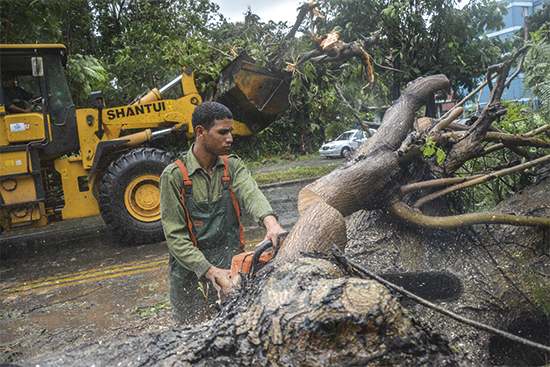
(7, 76)
(207, 113)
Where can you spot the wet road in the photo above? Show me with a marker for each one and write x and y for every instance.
(70, 283)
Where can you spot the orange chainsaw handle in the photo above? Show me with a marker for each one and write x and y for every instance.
(257, 253)
(261, 249)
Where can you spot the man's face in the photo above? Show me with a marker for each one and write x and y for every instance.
(7, 82)
(218, 140)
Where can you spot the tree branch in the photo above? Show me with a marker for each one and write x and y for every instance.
(444, 122)
(516, 140)
(407, 214)
(405, 189)
(504, 138)
(467, 98)
(480, 180)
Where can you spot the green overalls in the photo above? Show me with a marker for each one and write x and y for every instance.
(216, 231)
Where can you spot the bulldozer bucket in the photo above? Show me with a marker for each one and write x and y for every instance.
(256, 96)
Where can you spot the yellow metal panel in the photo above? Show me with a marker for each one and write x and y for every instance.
(3, 132)
(79, 200)
(87, 126)
(25, 127)
(24, 217)
(240, 129)
(13, 163)
(154, 114)
(138, 115)
(19, 189)
(25, 214)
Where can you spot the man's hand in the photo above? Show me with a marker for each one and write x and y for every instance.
(221, 279)
(211, 273)
(273, 229)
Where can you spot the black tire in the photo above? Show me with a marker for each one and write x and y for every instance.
(345, 152)
(128, 196)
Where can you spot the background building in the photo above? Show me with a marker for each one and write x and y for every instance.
(518, 11)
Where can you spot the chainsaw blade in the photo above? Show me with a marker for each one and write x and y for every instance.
(440, 286)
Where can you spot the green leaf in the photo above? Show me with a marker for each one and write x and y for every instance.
(441, 156)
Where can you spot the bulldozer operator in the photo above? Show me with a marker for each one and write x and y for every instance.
(200, 195)
(14, 96)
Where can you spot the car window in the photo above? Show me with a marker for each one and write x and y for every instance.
(359, 135)
(345, 136)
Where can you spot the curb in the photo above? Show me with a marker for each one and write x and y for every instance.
(287, 183)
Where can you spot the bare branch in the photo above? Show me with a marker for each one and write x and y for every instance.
(330, 49)
(436, 183)
(516, 150)
(516, 73)
(456, 113)
(479, 180)
(516, 140)
(539, 130)
(467, 98)
(307, 8)
(390, 69)
(503, 138)
(406, 213)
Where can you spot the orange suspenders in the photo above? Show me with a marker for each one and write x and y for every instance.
(226, 180)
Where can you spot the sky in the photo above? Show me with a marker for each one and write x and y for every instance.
(278, 10)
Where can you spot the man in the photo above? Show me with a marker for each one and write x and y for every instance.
(14, 96)
(205, 214)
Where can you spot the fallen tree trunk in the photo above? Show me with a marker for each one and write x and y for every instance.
(372, 177)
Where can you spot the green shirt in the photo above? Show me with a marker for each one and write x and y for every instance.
(205, 189)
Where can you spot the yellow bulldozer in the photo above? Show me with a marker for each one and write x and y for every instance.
(59, 162)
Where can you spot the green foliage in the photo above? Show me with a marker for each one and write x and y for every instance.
(519, 119)
(537, 70)
(422, 38)
(203, 289)
(429, 149)
(85, 75)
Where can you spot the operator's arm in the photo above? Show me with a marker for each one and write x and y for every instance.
(14, 108)
(249, 195)
(8, 102)
(174, 223)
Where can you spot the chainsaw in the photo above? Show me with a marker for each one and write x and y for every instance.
(432, 285)
(248, 263)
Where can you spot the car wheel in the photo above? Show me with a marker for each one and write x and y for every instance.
(345, 152)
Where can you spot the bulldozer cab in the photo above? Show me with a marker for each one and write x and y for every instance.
(38, 69)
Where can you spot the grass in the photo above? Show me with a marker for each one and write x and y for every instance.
(297, 173)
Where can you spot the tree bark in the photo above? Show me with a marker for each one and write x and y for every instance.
(318, 229)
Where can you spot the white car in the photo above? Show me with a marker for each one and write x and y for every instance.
(343, 145)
